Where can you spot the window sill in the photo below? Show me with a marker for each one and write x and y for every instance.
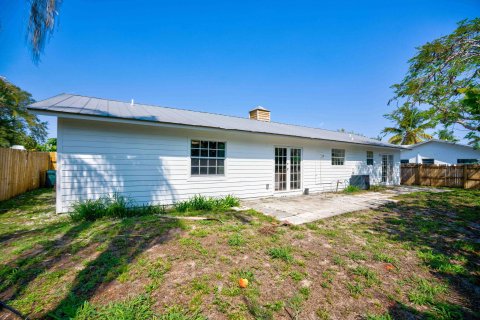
(203, 177)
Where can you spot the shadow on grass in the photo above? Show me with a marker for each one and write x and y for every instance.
(53, 229)
(443, 228)
(17, 275)
(130, 240)
(31, 202)
(119, 241)
(440, 311)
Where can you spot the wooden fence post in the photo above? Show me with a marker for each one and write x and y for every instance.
(465, 176)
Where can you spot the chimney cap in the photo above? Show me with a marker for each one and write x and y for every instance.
(259, 108)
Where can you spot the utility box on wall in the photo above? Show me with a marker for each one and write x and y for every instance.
(361, 181)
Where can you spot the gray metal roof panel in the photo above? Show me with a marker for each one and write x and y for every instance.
(411, 146)
(76, 104)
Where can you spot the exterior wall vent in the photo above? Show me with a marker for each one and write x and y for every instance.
(260, 113)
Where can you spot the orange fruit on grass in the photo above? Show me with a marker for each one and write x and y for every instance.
(243, 283)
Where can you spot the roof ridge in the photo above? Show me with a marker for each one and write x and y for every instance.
(231, 116)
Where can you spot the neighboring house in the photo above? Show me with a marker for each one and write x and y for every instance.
(163, 155)
(440, 152)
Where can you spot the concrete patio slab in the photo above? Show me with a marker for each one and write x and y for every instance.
(309, 208)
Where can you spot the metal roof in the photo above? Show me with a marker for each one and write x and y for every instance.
(412, 146)
(96, 107)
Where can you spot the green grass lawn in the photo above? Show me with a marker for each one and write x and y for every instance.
(417, 258)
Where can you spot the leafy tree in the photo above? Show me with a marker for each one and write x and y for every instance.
(410, 125)
(41, 24)
(49, 146)
(446, 134)
(470, 103)
(444, 77)
(17, 124)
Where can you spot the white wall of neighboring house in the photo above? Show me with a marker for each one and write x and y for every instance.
(151, 164)
(441, 152)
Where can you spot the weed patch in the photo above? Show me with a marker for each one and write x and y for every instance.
(369, 275)
(441, 262)
(236, 240)
(355, 289)
(282, 253)
(425, 291)
(352, 189)
(115, 206)
(202, 203)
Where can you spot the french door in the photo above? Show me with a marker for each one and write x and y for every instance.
(288, 169)
(387, 168)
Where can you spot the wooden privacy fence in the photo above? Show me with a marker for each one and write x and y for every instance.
(465, 176)
(53, 161)
(21, 171)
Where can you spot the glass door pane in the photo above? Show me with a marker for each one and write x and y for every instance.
(390, 168)
(280, 169)
(295, 168)
(384, 168)
(387, 168)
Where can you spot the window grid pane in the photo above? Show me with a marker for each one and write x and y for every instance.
(338, 157)
(370, 158)
(207, 157)
(280, 169)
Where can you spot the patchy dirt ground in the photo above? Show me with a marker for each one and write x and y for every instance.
(417, 258)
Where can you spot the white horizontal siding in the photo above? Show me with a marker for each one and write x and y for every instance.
(152, 165)
(442, 153)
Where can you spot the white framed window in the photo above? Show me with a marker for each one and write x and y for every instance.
(207, 157)
(370, 158)
(338, 157)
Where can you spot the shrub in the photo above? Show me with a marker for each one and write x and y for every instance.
(88, 210)
(115, 206)
(118, 206)
(231, 201)
(351, 189)
(202, 203)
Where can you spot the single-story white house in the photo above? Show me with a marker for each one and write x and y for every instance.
(160, 155)
(440, 152)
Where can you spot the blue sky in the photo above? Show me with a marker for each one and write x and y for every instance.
(326, 64)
